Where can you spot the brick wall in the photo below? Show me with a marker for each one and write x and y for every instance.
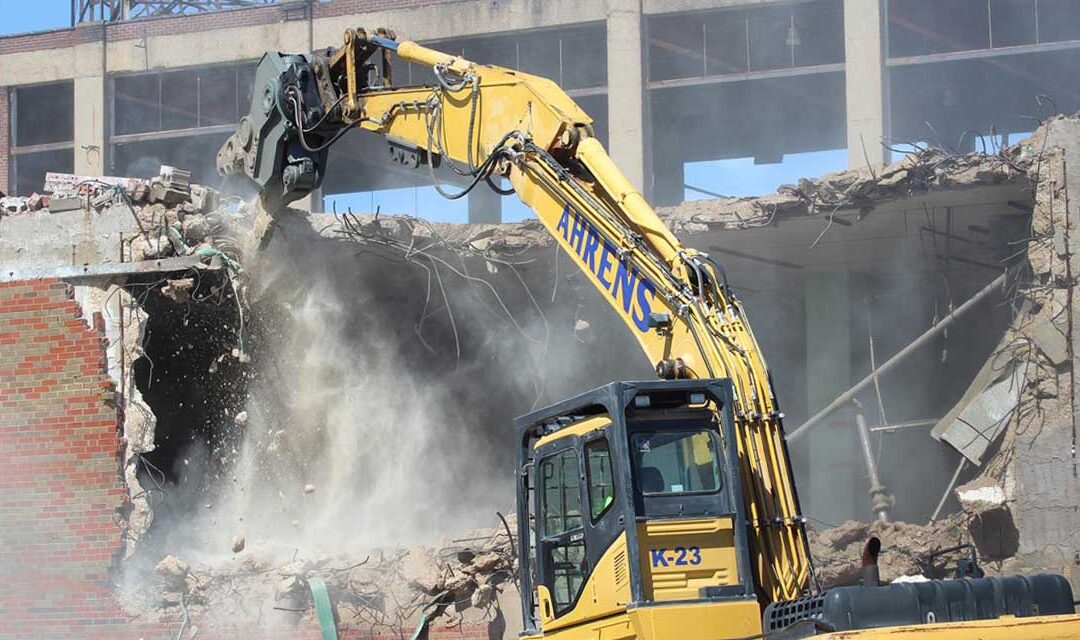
(60, 485)
(59, 482)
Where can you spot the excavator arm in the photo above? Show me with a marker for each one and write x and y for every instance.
(488, 123)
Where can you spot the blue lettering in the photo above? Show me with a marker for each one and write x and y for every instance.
(605, 264)
(577, 234)
(696, 558)
(645, 290)
(564, 222)
(625, 281)
(592, 243)
(658, 559)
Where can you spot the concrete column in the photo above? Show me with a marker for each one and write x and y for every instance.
(485, 206)
(865, 69)
(626, 89)
(89, 109)
(836, 486)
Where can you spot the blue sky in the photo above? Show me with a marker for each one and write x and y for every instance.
(20, 16)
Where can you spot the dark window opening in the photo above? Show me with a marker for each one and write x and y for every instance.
(179, 100)
(29, 169)
(1012, 22)
(1058, 20)
(675, 462)
(920, 27)
(44, 114)
(926, 27)
(185, 99)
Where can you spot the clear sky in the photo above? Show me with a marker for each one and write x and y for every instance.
(20, 16)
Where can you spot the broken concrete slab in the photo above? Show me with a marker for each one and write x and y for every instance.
(974, 424)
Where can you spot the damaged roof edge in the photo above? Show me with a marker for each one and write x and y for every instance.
(860, 190)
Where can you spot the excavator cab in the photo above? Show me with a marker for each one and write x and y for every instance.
(631, 526)
(629, 506)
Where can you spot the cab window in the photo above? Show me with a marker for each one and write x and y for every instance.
(601, 483)
(564, 550)
(562, 493)
(670, 462)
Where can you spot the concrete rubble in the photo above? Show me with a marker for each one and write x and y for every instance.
(468, 581)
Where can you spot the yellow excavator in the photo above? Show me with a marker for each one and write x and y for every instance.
(652, 510)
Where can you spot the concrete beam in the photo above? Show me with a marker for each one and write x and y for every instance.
(626, 88)
(865, 82)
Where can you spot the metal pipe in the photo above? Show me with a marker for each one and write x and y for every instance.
(849, 395)
(904, 425)
(948, 490)
(871, 574)
(880, 500)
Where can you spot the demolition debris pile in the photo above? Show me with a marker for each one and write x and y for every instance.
(465, 582)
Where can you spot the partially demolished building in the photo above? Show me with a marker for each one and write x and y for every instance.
(194, 439)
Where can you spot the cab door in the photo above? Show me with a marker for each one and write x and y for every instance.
(561, 563)
(582, 564)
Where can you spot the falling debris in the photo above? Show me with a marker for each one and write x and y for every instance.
(241, 418)
(238, 543)
(178, 290)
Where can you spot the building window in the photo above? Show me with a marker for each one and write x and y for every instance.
(929, 27)
(42, 134)
(44, 114)
(730, 42)
(179, 118)
(575, 58)
(183, 99)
